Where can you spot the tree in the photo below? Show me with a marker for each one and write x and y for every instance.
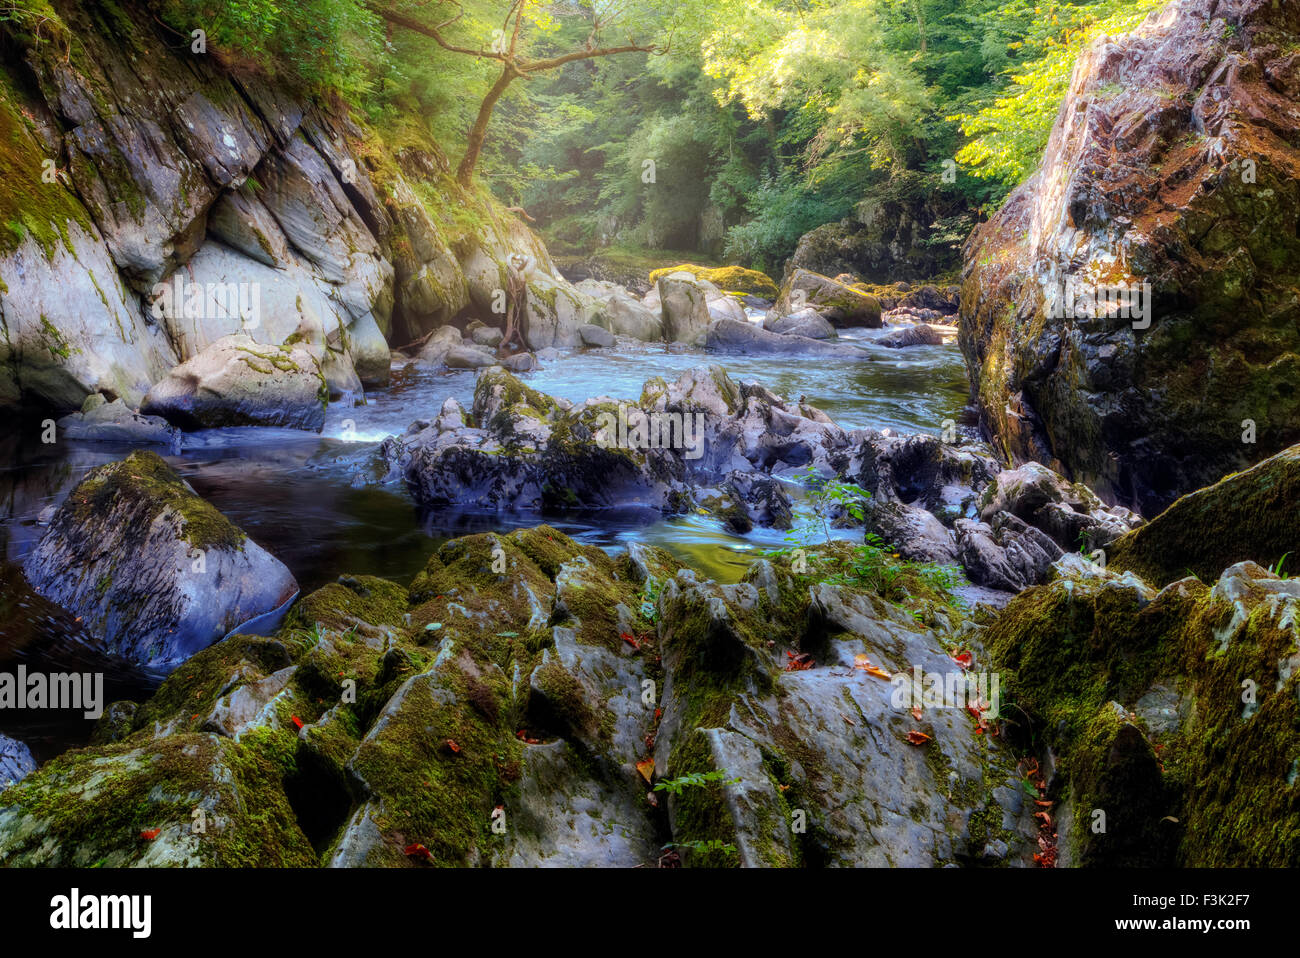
(507, 47)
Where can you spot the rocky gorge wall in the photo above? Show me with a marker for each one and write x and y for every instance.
(1170, 176)
(156, 202)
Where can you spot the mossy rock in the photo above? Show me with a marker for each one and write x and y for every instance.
(731, 279)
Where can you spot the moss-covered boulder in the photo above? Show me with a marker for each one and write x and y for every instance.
(1248, 515)
(152, 569)
(841, 305)
(731, 279)
(1173, 717)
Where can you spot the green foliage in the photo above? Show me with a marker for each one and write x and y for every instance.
(674, 786)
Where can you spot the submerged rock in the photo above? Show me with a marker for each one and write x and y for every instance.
(238, 381)
(113, 422)
(150, 568)
(745, 338)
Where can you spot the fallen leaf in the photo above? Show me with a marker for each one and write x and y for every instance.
(647, 768)
(916, 712)
(451, 744)
(917, 738)
(798, 663)
(630, 640)
(878, 673)
(419, 851)
(149, 834)
(964, 659)
(296, 721)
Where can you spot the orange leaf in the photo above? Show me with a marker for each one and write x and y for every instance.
(451, 744)
(419, 851)
(149, 834)
(646, 767)
(917, 738)
(296, 721)
(630, 640)
(916, 712)
(878, 673)
(964, 659)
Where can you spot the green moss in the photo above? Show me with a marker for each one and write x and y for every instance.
(148, 485)
(734, 279)
(352, 600)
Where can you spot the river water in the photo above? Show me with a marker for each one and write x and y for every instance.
(317, 502)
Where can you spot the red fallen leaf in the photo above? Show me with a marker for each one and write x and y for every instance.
(523, 736)
(917, 738)
(650, 742)
(419, 851)
(1044, 818)
(451, 744)
(296, 721)
(646, 767)
(1044, 804)
(659, 713)
(916, 712)
(964, 659)
(630, 640)
(798, 663)
(149, 834)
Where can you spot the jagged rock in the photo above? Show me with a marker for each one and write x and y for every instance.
(1164, 131)
(240, 382)
(16, 762)
(1008, 554)
(155, 572)
(1085, 655)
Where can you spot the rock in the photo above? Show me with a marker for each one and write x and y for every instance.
(684, 308)
(731, 279)
(1086, 655)
(468, 357)
(595, 336)
(805, 322)
(240, 382)
(1008, 555)
(722, 306)
(16, 762)
(1069, 512)
(488, 336)
(520, 363)
(1247, 515)
(114, 422)
(435, 349)
(731, 336)
(842, 305)
(1146, 407)
(916, 534)
(625, 316)
(918, 335)
(155, 572)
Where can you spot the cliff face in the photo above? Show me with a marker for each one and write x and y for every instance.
(1169, 187)
(153, 202)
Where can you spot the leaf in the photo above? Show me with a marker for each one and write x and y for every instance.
(296, 721)
(630, 640)
(964, 659)
(451, 744)
(149, 834)
(647, 768)
(916, 712)
(917, 737)
(419, 851)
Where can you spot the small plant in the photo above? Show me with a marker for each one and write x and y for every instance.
(650, 601)
(828, 495)
(712, 845)
(1276, 567)
(674, 786)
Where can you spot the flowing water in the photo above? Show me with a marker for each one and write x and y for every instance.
(316, 502)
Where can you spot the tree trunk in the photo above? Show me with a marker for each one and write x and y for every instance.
(474, 145)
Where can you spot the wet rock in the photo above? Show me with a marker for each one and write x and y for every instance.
(595, 336)
(684, 306)
(918, 335)
(152, 569)
(488, 336)
(468, 357)
(240, 382)
(16, 762)
(745, 338)
(435, 349)
(842, 305)
(114, 422)
(803, 322)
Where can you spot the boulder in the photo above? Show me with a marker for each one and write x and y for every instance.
(443, 340)
(595, 336)
(734, 336)
(488, 336)
(151, 569)
(469, 357)
(685, 309)
(842, 305)
(919, 335)
(101, 421)
(806, 322)
(732, 279)
(1115, 319)
(16, 762)
(238, 381)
